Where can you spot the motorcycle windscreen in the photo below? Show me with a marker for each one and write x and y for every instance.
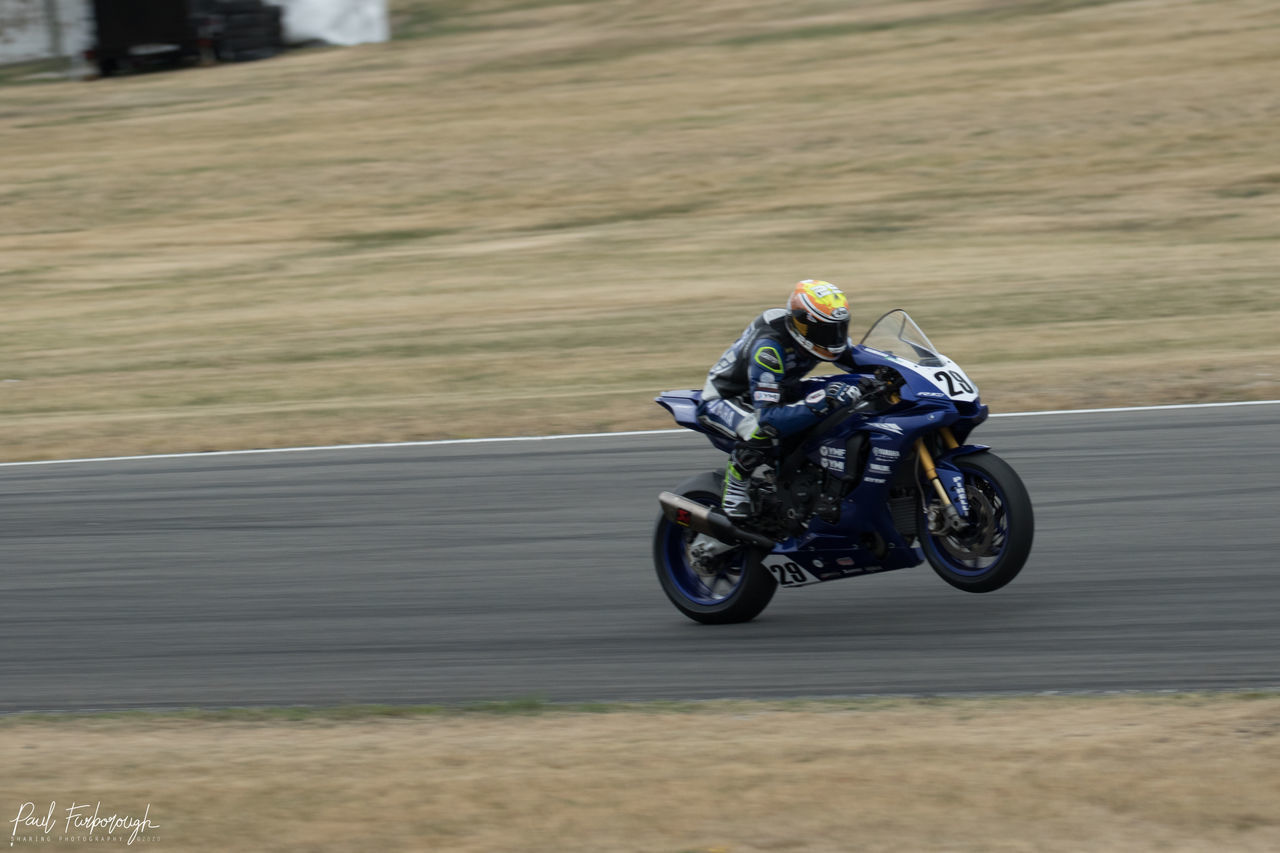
(897, 334)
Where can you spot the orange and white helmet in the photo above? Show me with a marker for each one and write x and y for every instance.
(819, 318)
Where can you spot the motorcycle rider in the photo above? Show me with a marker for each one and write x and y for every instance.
(757, 392)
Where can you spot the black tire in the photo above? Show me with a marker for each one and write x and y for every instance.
(996, 548)
(754, 587)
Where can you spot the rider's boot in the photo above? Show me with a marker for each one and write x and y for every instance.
(748, 455)
(736, 500)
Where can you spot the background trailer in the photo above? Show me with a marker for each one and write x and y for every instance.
(156, 29)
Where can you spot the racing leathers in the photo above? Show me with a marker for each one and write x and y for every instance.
(757, 392)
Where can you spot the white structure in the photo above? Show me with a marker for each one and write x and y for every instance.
(28, 29)
(26, 32)
(335, 21)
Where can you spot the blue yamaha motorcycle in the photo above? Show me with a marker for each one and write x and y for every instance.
(881, 485)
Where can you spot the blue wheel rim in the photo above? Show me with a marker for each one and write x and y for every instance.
(994, 501)
(707, 591)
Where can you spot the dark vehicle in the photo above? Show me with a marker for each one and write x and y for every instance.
(134, 35)
(131, 34)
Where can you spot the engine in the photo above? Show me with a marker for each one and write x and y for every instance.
(786, 507)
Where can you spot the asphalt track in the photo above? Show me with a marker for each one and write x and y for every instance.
(456, 573)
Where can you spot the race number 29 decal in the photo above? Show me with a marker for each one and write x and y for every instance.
(956, 383)
(787, 572)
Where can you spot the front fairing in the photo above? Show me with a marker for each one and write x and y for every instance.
(919, 406)
(941, 383)
(876, 450)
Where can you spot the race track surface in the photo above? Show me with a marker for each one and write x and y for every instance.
(453, 573)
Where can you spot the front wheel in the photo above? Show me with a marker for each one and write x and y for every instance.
(732, 586)
(993, 546)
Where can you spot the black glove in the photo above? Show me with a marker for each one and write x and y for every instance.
(866, 385)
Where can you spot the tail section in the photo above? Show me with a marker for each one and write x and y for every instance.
(683, 406)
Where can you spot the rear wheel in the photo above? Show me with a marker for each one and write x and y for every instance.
(992, 548)
(729, 587)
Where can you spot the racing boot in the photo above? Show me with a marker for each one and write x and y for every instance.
(747, 456)
(736, 499)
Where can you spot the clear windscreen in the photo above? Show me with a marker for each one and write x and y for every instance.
(897, 334)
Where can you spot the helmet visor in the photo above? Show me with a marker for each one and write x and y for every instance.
(831, 335)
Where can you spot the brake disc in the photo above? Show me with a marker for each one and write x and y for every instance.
(976, 540)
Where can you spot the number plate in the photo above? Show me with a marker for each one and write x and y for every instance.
(787, 572)
(952, 381)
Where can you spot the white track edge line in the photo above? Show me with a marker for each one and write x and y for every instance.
(1137, 408)
(448, 441)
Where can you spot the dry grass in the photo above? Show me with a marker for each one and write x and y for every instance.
(1190, 773)
(529, 216)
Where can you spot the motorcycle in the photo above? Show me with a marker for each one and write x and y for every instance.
(881, 485)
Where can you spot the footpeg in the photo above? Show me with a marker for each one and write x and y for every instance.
(828, 509)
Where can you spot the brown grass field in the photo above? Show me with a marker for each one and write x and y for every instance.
(1179, 773)
(528, 216)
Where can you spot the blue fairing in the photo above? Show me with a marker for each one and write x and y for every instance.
(683, 406)
(865, 539)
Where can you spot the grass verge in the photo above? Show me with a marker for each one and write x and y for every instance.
(528, 217)
(1136, 772)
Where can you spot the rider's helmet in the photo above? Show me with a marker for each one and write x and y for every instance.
(819, 318)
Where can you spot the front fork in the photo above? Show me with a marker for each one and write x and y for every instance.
(953, 517)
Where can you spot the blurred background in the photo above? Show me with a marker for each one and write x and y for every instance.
(528, 216)
(236, 224)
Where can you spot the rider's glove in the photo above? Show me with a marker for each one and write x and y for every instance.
(840, 394)
(836, 396)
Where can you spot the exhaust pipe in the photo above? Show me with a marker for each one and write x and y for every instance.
(686, 513)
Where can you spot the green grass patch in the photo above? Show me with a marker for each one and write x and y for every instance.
(34, 72)
(532, 706)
